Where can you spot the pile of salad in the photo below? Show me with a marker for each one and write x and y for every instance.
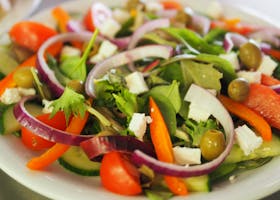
(153, 97)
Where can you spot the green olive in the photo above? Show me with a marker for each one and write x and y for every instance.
(238, 89)
(76, 85)
(212, 144)
(23, 77)
(250, 55)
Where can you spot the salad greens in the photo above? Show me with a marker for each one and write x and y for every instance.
(147, 128)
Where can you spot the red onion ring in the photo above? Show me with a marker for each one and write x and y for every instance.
(45, 72)
(212, 105)
(267, 35)
(100, 145)
(123, 58)
(43, 130)
(233, 40)
(75, 26)
(145, 28)
(276, 88)
(201, 23)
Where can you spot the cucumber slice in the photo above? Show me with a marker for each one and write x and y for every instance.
(198, 184)
(267, 149)
(75, 160)
(8, 122)
(7, 63)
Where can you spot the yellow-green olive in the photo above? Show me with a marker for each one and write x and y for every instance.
(250, 55)
(238, 89)
(23, 77)
(76, 85)
(212, 144)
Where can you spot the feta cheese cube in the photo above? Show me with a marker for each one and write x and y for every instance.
(106, 50)
(187, 156)
(198, 114)
(232, 58)
(267, 66)
(136, 83)
(47, 108)
(138, 124)
(109, 27)
(251, 77)
(121, 15)
(153, 6)
(10, 96)
(69, 51)
(214, 10)
(247, 139)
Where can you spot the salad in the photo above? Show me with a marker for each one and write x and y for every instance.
(153, 97)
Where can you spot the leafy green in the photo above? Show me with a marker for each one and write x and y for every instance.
(158, 39)
(125, 29)
(2, 75)
(276, 72)
(75, 67)
(221, 64)
(169, 91)
(189, 37)
(172, 71)
(197, 129)
(201, 74)
(126, 102)
(70, 102)
(158, 195)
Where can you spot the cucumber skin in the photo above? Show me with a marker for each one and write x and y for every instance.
(267, 149)
(3, 109)
(76, 170)
(198, 183)
(76, 161)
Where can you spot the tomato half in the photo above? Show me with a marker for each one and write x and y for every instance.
(37, 143)
(265, 101)
(119, 175)
(30, 35)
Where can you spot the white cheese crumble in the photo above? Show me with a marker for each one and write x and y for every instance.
(138, 124)
(247, 139)
(13, 95)
(198, 114)
(153, 6)
(136, 83)
(68, 51)
(109, 28)
(47, 108)
(186, 155)
(232, 58)
(267, 66)
(105, 50)
(251, 77)
(121, 15)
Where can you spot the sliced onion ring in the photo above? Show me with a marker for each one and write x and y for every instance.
(123, 58)
(45, 72)
(100, 145)
(212, 105)
(43, 130)
(147, 27)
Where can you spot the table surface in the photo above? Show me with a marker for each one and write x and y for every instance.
(10, 189)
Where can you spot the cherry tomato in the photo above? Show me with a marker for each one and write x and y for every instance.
(35, 142)
(30, 35)
(96, 16)
(119, 175)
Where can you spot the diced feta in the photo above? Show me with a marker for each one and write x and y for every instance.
(106, 50)
(109, 27)
(13, 95)
(121, 15)
(197, 114)
(214, 10)
(212, 91)
(47, 108)
(68, 51)
(138, 124)
(247, 139)
(232, 58)
(267, 66)
(186, 156)
(10, 96)
(153, 6)
(136, 83)
(251, 77)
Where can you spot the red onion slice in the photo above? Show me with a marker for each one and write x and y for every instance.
(212, 105)
(123, 58)
(45, 72)
(276, 88)
(267, 35)
(233, 40)
(145, 28)
(201, 23)
(43, 130)
(100, 145)
(75, 26)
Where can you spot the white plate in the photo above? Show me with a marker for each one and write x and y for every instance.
(57, 183)
(20, 9)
